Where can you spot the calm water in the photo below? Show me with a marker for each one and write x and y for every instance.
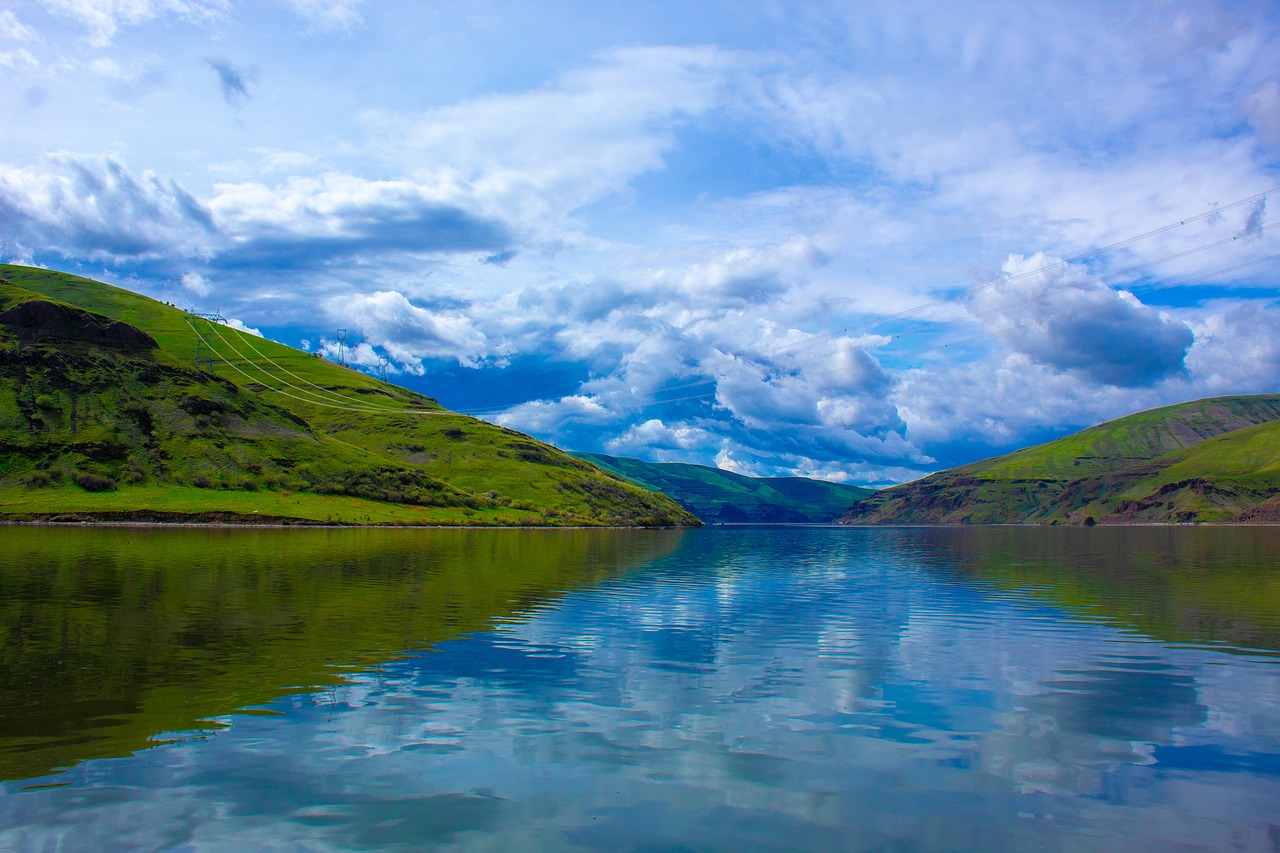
(725, 689)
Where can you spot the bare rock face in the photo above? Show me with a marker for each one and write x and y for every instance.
(40, 320)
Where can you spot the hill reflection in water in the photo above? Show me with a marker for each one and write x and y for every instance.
(816, 688)
(112, 636)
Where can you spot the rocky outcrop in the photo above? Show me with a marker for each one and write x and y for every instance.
(40, 320)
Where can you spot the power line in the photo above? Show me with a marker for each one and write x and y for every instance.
(310, 402)
(320, 390)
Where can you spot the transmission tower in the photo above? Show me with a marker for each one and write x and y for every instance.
(207, 358)
(383, 361)
(342, 347)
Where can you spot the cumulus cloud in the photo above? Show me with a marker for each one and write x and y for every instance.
(196, 283)
(102, 19)
(559, 417)
(1237, 348)
(1063, 318)
(708, 442)
(239, 324)
(409, 333)
(96, 208)
(678, 247)
(656, 441)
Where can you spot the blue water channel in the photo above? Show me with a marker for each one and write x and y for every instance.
(719, 689)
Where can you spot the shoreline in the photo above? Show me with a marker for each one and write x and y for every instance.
(304, 524)
(307, 524)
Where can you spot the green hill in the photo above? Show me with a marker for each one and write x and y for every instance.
(722, 497)
(105, 415)
(1216, 460)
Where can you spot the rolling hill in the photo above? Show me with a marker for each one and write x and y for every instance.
(723, 497)
(114, 406)
(1212, 460)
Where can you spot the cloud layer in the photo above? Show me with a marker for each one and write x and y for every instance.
(859, 246)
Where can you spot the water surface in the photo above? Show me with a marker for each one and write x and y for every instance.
(722, 689)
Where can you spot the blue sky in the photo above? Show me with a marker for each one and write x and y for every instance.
(854, 241)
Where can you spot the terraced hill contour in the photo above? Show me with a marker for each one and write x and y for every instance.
(104, 415)
(1211, 460)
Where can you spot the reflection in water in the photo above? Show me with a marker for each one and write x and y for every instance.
(833, 689)
(109, 637)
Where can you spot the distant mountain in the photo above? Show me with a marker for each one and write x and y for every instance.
(114, 406)
(1212, 460)
(722, 497)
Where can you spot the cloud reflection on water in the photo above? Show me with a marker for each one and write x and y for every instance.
(808, 689)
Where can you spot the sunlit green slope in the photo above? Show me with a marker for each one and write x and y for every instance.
(723, 497)
(1207, 460)
(105, 414)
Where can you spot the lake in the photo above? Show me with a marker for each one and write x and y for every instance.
(1091, 689)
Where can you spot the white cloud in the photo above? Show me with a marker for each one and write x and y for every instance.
(1237, 348)
(537, 156)
(196, 283)
(95, 207)
(407, 332)
(239, 324)
(738, 223)
(328, 15)
(314, 219)
(18, 61)
(654, 440)
(136, 69)
(1067, 320)
(12, 28)
(102, 19)
(1262, 106)
(556, 417)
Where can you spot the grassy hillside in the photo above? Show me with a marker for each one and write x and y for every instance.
(1233, 477)
(104, 413)
(722, 497)
(1207, 460)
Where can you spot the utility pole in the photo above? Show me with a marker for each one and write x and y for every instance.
(342, 347)
(383, 361)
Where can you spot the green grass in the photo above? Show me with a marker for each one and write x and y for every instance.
(1219, 479)
(264, 418)
(1137, 437)
(1211, 460)
(20, 502)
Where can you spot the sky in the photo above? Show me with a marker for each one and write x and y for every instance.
(861, 242)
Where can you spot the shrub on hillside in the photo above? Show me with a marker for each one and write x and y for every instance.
(93, 482)
(37, 479)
